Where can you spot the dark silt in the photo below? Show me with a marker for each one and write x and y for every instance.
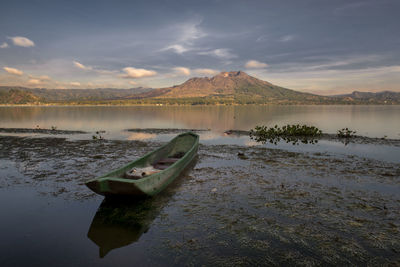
(238, 205)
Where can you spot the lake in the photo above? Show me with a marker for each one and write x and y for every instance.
(333, 202)
(372, 121)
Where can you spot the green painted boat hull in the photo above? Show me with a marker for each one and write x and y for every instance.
(113, 183)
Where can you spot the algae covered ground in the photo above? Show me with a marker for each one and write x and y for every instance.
(235, 206)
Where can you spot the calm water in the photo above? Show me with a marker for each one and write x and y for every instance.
(372, 121)
(323, 204)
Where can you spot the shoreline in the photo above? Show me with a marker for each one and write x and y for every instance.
(357, 139)
(189, 105)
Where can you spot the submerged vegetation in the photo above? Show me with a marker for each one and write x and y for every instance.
(345, 133)
(289, 133)
(274, 207)
(308, 135)
(98, 135)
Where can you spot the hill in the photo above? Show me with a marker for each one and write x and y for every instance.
(235, 87)
(66, 95)
(385, 97)
(16, 96)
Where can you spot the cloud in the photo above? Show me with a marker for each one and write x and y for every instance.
(206, 72)
(4, 45)
(182, 70)
(331, 63)
(21, 41)
(44, 78)
(81, 66)
(179, 49)
(186, 34)
(108, 72)
(223, 53)
(191, 31)
(326, 81)
(262, 38)
(286, 38)
(90, 68)
(348, 8)
(14, 71)
(254, 64)
(75, 83)
(34, 81)
(137, 73)
(41, 78)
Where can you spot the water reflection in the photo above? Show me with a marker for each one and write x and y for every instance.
(294, 140)
(141, 136)
(372, 121)
(120, 222)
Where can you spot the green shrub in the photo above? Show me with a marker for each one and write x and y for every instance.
(345, 133)
(289, 133)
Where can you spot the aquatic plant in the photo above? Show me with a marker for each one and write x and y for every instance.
(290, 133)
(98, 135)
(346, 133)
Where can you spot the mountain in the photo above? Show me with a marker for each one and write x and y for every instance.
(15, 96)
(236, 85)
(385, 97)
(60, 95)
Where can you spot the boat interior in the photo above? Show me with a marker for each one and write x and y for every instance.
(162, 159)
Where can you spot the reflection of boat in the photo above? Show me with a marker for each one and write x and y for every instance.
(119, 223)
(169, 161)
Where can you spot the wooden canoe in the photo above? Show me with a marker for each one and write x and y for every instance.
(169, 160)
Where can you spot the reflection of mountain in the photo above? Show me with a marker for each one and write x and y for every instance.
(216, 118)
(118, 223)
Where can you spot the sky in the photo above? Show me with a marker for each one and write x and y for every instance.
(318, 46)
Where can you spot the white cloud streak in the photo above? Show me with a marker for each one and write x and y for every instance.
(207, 72)
(75, 83)
(287, 38)
(81, 66)
(4, 45)
(14, 71)
(41, 78)
(182, 71)
(177, 48)
(254, 64)
(131, 72)
(223, 53)
(187, 34)
(34, 81)
(21, 41)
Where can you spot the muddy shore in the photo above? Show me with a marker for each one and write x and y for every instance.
(264, 207)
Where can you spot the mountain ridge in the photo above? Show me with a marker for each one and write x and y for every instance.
(234, 87)
(236, 84)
